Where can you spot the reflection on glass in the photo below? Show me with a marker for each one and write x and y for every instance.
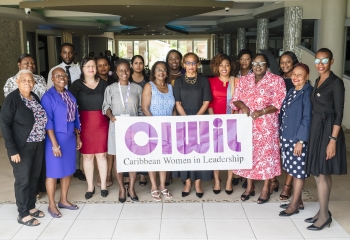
(200, 48)
(140, 48)
(125, 49)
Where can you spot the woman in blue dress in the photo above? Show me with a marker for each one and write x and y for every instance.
(63, 131)
(158, 100)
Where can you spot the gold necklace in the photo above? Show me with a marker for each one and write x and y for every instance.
(193, 81)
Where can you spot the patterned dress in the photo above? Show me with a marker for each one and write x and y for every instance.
(39, 87)
(162, 104)
(270, 90)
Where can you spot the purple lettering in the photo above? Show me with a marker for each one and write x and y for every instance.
(187, 144)
(141, 127)
(218, 136)
(166, 138)
(232, 142)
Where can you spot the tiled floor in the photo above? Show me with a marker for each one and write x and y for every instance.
(213, 217)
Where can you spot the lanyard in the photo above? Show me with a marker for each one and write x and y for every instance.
(127, 96)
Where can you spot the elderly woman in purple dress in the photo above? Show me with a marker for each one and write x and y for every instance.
(63, 130)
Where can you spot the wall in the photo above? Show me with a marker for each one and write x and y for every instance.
(308, 58)
(10, 48)
(346, 118)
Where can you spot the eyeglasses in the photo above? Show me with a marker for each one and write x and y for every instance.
(89, 66)
(260, 64)
(161, 70)
(27, 81)
(63, 75)
(191, 63)
(323, 60)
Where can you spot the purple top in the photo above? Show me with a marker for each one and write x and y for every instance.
(70, 106)
(40, 119)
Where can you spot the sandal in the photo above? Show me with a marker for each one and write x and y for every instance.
(37, 214)
(285, 206)
(286, 197)
(274, 186)
(166, 193)
(245, 197)
(29, 223)
(156, 196)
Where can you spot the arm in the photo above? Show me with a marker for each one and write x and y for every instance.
(242, 106)
(206, 97)
(268, 110)
(210, 110)
(77, 134)
(110, 115)
(204, 108)
(9, 86)
(56, 148)
(139, 108)
(180, 110)
(146, 99)
(177, 95)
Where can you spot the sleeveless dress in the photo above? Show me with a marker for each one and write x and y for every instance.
(327, 110)
(162, 104)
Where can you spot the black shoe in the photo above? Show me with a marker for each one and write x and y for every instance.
(262, 201)
(88, 195)
(244, 185)
(235, 181)
(142, 184)
(228, 192)
(314, 228)
(285, 214)
(200, 195)
(313, 220)
(185, 194)
(285, 206)
(216, 191)
(80, 175)
(134, 199)
(104, 193)
(274, 186)
(122, 200)
(246, 197)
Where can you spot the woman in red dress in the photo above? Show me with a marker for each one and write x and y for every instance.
(222, 88)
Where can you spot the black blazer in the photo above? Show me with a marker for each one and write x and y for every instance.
(17, 122)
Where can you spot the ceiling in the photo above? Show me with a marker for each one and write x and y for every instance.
(148, 17)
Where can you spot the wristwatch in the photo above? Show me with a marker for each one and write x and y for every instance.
(301, 142)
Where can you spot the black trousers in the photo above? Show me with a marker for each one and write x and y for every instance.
(26, 174)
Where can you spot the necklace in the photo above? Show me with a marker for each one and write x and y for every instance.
(223, 82)
(176, 73)
(190, 81)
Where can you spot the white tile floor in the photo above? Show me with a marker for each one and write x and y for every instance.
(169, 221)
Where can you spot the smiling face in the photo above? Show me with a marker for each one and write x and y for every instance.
(137, 65)
(299, 77)
(89, 69)
(27, 63)
(174, 61)
(102, 67)
(25, 83)
(245, 61)
(323, 68)
(160, 72)
(123, 72)
(286, 64)
(59, 78)
(260, 69)
(224, 68)
(191, 64)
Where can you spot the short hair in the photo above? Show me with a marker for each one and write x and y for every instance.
(189, 54)
(217, 60)
(265, 58)
(143, 61)
(67, 45)
(82, 64)
(244, 51)
(23, 71)
(154, 69)
(173, 51)
(24, 55)
(103, 58)
(302, 65)
(291, 55)
(118, 62)
(326, 50)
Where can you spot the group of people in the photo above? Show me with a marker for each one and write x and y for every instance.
(77, 110)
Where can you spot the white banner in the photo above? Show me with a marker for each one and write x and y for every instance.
(200, 142)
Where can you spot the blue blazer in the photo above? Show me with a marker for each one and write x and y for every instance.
(297, 117)
(56, 110)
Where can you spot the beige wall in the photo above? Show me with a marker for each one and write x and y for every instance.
(10, 48)
(346, 118)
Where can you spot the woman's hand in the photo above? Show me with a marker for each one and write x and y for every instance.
(79, 143)
(113, 118)
(245, 110)
(255, 115)
(297, 149)
(330, 151)
(16, 158)
(57, 151)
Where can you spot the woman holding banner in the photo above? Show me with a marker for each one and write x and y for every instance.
(259, 96)
(192, 96)
(158, 100)
(122, 99)
(222, 88)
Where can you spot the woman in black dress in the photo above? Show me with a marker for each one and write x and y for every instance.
(327, 152)
(192, 96)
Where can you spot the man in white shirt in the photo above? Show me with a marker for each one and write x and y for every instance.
(72, 69)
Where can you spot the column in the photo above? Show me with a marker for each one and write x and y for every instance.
(292, 29)
(332, 34)
(227, 44)
(262, 38)
(84, 45)
(216, 44)
(241, 39)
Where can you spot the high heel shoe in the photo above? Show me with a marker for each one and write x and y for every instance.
(313, 220)
(285, 206)
(246, 197)
(314, 228)
(235, 181)
(286, 197)
(134, 199)
(185, 194)
(262, 201)
(200, 195)
(285, 214)
(274, 186)
(122, 200)
(228, 192)
(216, 191)
(88, 195)
(104, 193)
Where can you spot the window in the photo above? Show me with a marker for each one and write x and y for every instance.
(141, 48)
(125, 49)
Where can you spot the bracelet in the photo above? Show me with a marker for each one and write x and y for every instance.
(334, 138)
(264, 111)
(54, 149)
